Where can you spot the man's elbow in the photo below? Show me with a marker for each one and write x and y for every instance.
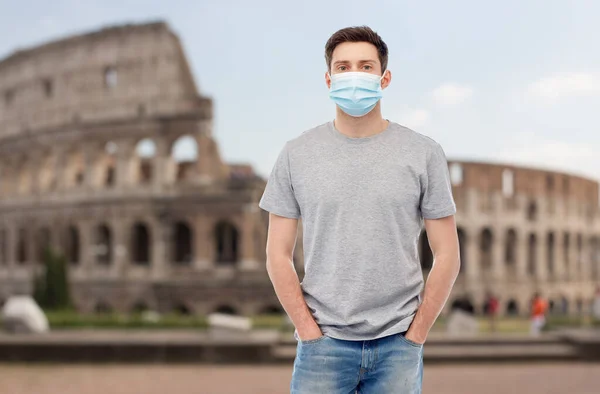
(276, 259)
(450, 259)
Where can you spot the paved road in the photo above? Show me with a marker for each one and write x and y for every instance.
(195, 379)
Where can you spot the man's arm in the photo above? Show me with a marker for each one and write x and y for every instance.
(443, 239)
(281, 241)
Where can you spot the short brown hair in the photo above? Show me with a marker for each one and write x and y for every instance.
(357, 34)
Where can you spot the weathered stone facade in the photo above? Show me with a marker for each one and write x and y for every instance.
(137, 230)
(149, 231)
(526, 230)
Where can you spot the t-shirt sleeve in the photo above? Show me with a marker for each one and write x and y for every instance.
(436, 190)
(278, 197)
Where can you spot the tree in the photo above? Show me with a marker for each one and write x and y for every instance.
(51, 288)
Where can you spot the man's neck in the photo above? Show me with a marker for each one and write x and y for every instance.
(359, 127)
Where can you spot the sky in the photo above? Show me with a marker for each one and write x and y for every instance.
(513, 82)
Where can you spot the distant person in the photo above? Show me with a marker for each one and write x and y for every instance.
(364, 186)
(564, 305)
(493, 306)
(539, 307)
(596, 305)
(579, 304)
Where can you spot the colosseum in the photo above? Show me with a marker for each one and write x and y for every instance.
(89, 127)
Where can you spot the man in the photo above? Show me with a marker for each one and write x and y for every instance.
(539, 306)
(362, 186)
(492, 306)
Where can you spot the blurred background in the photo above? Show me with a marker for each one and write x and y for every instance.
(136, 138)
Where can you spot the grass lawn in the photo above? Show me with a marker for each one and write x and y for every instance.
(72, 320)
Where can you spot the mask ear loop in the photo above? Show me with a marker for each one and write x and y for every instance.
(380, 79)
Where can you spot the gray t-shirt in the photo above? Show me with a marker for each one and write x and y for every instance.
(362, 201)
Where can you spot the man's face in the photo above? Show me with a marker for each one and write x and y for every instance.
(359, 57)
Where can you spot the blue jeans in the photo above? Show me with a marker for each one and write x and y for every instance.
(387, 365)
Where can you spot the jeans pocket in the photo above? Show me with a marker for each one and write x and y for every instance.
(408, 341)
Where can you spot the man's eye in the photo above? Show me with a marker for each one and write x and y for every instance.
(342, 68)
(368, 67)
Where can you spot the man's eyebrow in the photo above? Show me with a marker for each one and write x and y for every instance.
(360, 61)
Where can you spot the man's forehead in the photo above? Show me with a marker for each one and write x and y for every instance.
(355, 51)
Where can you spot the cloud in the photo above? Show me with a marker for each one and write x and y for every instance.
(414, 118)
(558, 86)
(533, 150)
(451, 93)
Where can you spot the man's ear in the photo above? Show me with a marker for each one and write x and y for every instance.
(387, 79)
(327, 80)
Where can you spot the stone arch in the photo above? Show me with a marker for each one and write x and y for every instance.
(567, 254)
(532, 255)
(75, 169)
(272, 310)
(103, 307)
(226, 237)
(184, 153)
(110, 77)
(226, 309)
(532, 211)
(462, 244)
(183, 252)
(108, 164)
(72, 247)
(512, 307)
(463, 302)
(46, 172)
(550, 253)
(140, 244)
(24, 177)
(103, 245)
(145, 151)
(22, 246)
(42, 243)
(7, 178)
(594, 243)
(139, 307)
(510, 247)
(456, 304)
(181, 308)
(486, 241)
(425, 253)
